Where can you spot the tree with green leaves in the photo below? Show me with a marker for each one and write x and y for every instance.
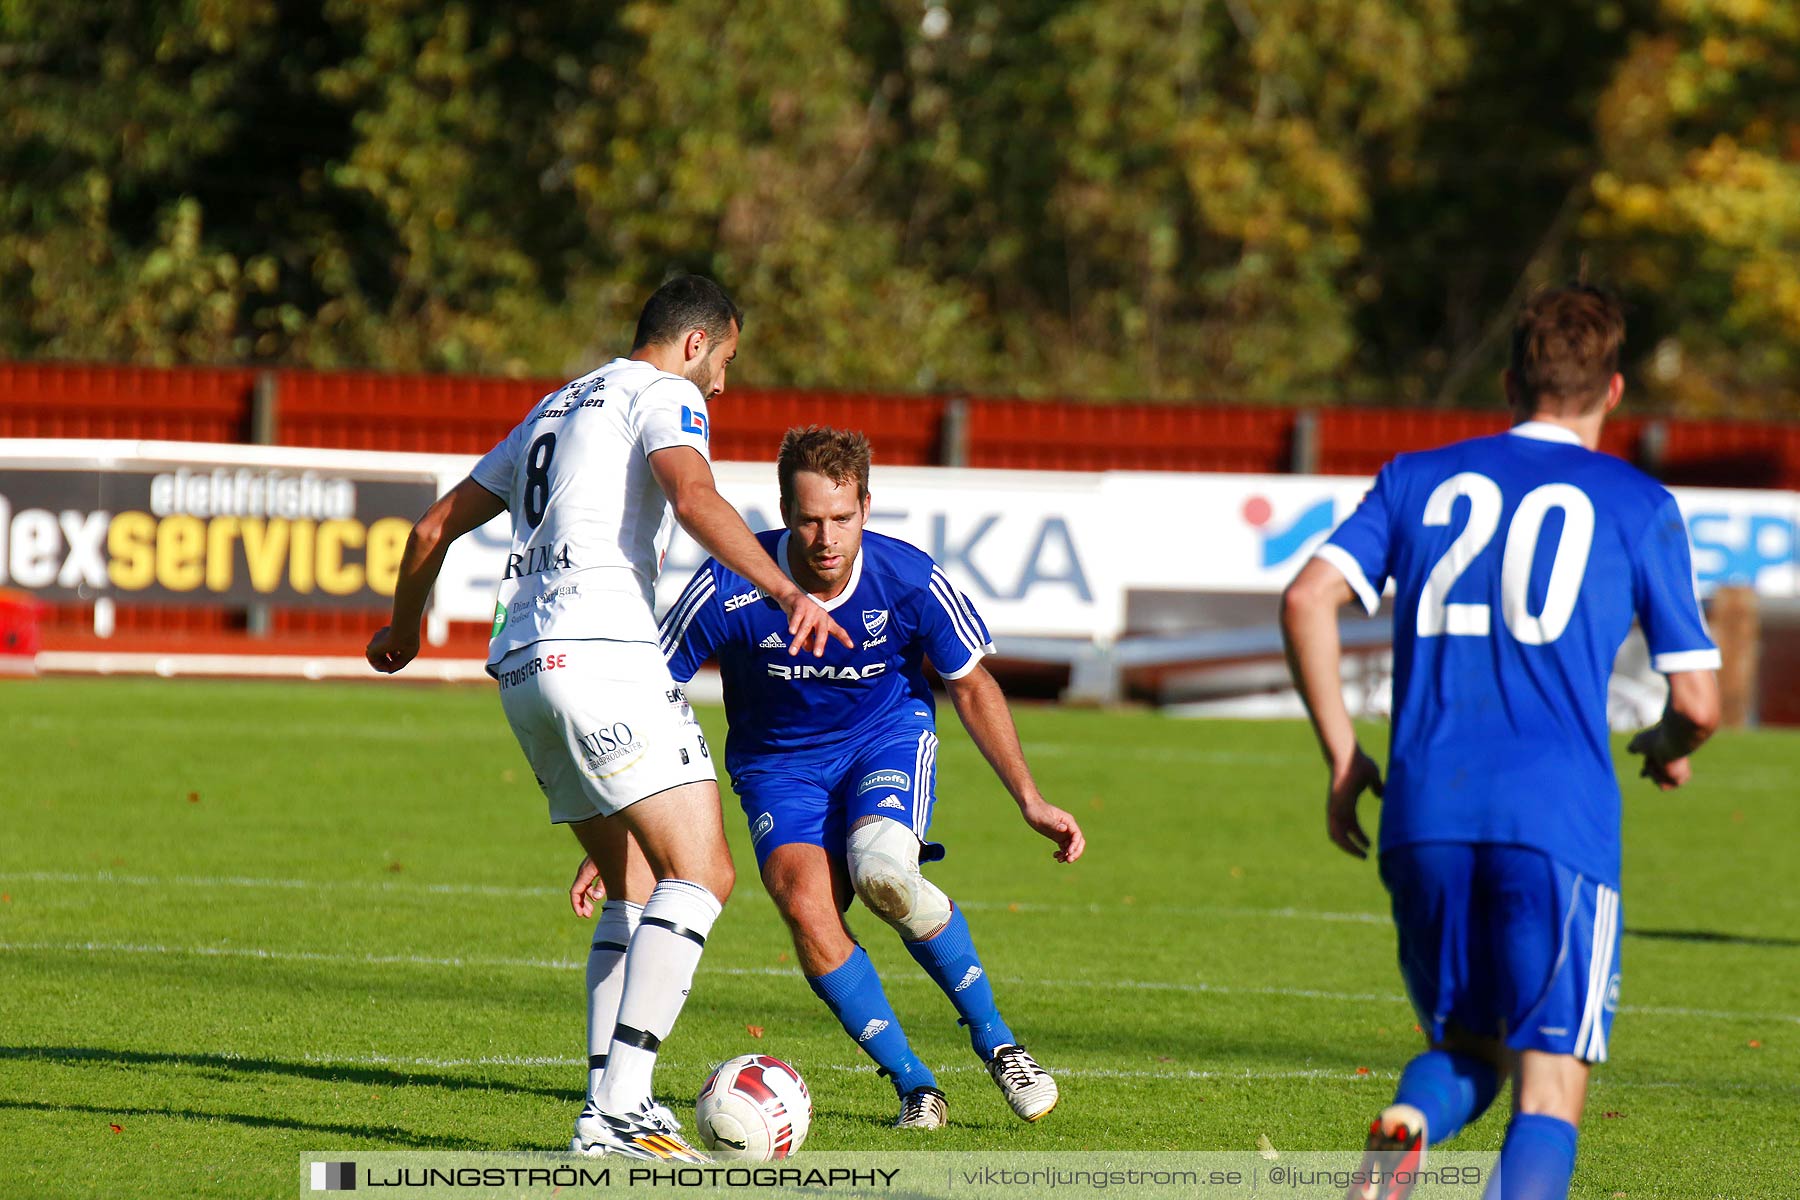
(1184, 199)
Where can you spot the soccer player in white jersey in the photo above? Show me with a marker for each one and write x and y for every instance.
(594, 477)
(1519, 563)
(836, 763)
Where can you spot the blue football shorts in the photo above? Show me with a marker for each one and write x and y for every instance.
(1504, 941)
(815, 799)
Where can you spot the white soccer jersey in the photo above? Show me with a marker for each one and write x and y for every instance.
(590, 524)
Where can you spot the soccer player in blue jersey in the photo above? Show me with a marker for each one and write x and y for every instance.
(1519, 562)
(834, 760)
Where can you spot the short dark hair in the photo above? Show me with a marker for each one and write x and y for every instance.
(683, 303)
(839, 455)
(1565, 347)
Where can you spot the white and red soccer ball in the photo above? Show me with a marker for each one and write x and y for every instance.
(754, 1108)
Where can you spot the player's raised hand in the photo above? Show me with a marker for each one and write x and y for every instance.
(390, 649)
(809, 625)
(1059, 827)
(586, 889)
(1667, 775)
(1348, 783)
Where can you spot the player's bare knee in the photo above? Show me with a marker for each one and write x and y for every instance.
(883, 858)
(716, 875)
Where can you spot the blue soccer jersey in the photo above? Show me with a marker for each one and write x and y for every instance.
(1519, 562)
(897, 605)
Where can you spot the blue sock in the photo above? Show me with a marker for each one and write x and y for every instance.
(949, 958)
(853, 993)
(1537, 1160)
(1450, 1089)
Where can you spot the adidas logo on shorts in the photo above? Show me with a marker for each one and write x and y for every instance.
(892, 802)
(969, 977)
(773, 642)
(871, 1029)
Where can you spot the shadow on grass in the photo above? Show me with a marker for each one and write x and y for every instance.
(381, 1135)
(323, 1072)
(1711, 937)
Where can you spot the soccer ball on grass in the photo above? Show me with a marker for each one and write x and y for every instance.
(754, 1108)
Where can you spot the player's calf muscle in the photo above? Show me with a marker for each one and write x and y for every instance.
(1551, 1085)
(798, 878)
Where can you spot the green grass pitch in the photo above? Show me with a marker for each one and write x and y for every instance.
(245, 921)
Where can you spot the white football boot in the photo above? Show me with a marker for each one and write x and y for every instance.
(649, 1132)
(1026, 1086)
(923, 1108)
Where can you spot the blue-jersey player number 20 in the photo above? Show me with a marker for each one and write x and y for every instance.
(1437, 616)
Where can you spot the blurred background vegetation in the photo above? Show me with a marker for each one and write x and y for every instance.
(1264, 200)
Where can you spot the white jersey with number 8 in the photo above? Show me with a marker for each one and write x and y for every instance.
(590, 523)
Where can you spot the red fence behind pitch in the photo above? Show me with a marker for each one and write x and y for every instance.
(461, 415)
(1063, 436)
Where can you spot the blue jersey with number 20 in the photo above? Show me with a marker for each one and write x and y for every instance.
(1519, 562)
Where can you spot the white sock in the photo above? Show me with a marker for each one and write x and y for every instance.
(659, 969)
(606, 981)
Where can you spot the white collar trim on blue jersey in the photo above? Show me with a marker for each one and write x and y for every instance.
(1544, 431)
(781, 548)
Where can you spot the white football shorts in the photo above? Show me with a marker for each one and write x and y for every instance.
(602, 724)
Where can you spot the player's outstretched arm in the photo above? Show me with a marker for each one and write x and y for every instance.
(466, 506)
(982, 706)
(1690, 717)
(687, 480)
(1309, 634)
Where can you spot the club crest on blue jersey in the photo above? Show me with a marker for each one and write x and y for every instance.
(875, 620)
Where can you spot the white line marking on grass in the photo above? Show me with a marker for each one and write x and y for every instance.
(1185, 910)
(1150, 985)
(508, 1060)
(559, 964)
(393, 1060)
(1145, 985)
(112, 879)
(259, 952)
(1607, 1082)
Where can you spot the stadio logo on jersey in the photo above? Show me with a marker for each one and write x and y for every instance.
(610, 746)
(733, 603)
